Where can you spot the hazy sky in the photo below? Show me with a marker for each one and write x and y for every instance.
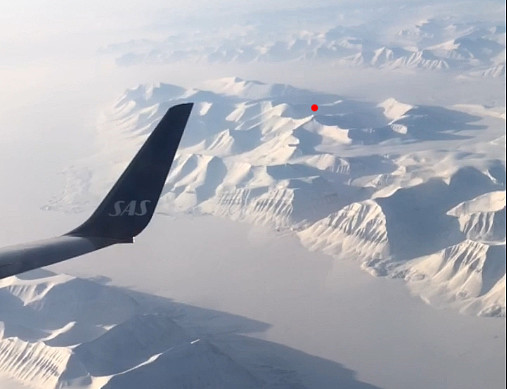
(52, 47)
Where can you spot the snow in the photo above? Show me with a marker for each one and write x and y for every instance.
(467, 269)
(394, 109)
(380, 40)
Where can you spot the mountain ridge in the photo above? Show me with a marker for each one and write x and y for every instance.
(354, 178)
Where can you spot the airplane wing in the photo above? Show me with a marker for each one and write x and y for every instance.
(125, 211)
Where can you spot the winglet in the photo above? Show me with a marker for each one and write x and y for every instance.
(128, 207)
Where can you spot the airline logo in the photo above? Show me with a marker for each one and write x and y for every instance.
(130, 208)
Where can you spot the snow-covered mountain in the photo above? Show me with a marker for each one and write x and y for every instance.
(437, 44)
(109, 337)
(416, 192)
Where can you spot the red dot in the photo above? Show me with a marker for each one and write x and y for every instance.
(315, 107)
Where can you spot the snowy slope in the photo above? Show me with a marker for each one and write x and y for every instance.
(139, 340)
(387, 184)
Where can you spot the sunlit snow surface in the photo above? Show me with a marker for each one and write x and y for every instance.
(413, 192)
